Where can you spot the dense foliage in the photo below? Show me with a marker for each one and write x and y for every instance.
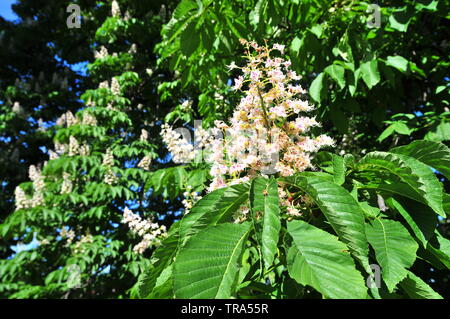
(119, 202)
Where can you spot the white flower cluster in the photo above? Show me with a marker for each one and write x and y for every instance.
(17, 108)
(115, 9)
(152, 233)
(190, 198)
(133, 49)
(67, 119)
(108, 158)
(108, 161)
(145, 162)
(89, 119)
(186, 105)
(103, 53)
(103, 85)
(203, 138)
(127, 15)
(74, 146)
(44, 241)
(21, 199)
(79, 246)
(267, 132)
(144, 135)
(181, 150)
(241, 214)
(68, 234)
(67, 185)
(115, 86)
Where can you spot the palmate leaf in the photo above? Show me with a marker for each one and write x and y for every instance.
(318, 259)
(434, 154)
(216, 207)
(416, 288)
(207, 266)
(412, 172)
(395, 249)
(341, 210)
(264, 199)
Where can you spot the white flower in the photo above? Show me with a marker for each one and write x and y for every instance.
(115, 86)
(115, 9)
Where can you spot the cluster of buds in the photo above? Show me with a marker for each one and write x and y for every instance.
(151, 233)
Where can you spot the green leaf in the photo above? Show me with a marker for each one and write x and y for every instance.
(320, 260)
(412, 172)
(440, 133)
(296, 44)
(400, 19)
(183, 8)
(338, 169)
(427, 5)
(370, 73)
(395, 249)
(386, 133)
(264, 199)
(162, 258)
(439, 247)
(189, 40)
(208, 265)
(316, 87)
(398, 62)
(434, 154)
(419, 217)
(216, 207)
(416, 288)
(341, 210)
(337, 73)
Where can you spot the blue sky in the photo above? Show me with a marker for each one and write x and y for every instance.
(6, 11)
